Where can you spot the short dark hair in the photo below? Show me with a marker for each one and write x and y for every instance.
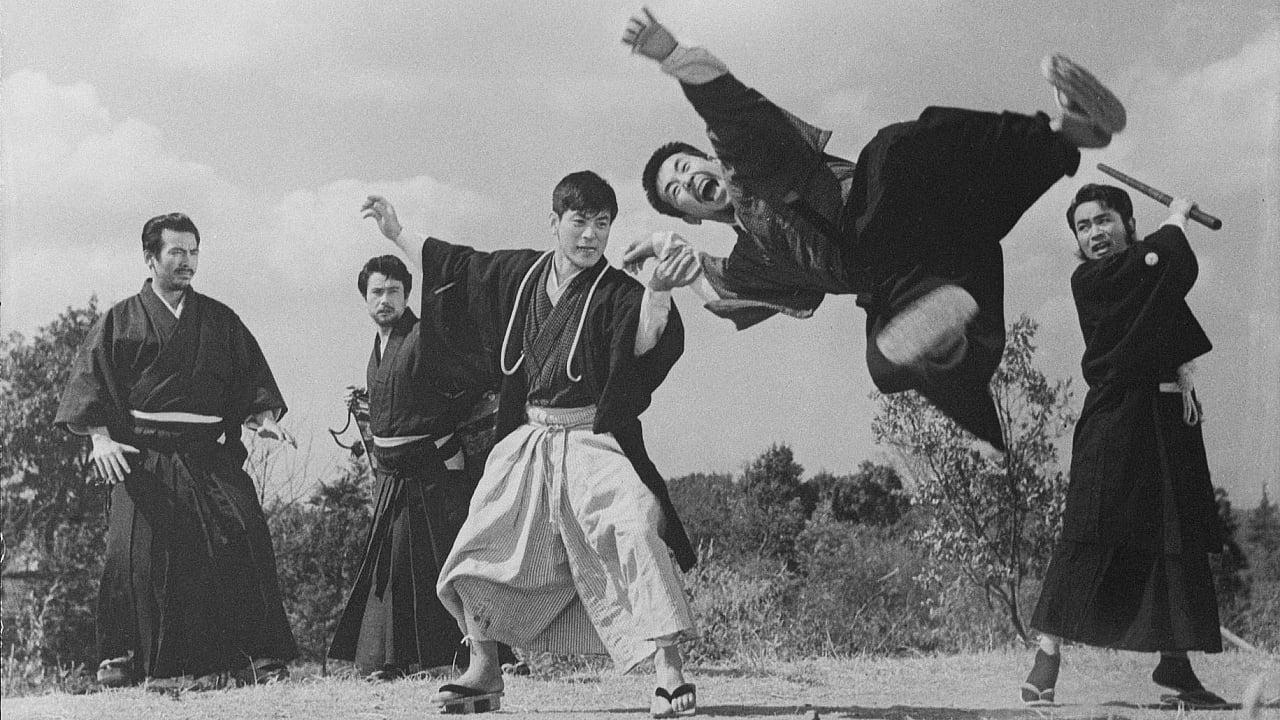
(390, 266)
(153, 231)
(1108, 196)
(585, 192)
(650, 177)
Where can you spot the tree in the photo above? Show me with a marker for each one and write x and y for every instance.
(873, 495)
(706, 503)
(52, 524)
(320, 544)
(997, 516)
(1262, 536)
(773, 487)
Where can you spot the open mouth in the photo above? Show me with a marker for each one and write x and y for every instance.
(708, 187)
(1101, 248)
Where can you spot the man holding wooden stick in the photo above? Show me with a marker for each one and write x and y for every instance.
(1131, 570)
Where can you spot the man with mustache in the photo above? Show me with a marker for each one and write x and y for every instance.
(1131, 570)
(913, 228)
(189, 598)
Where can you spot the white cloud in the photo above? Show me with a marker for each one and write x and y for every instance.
(75, 174)
(318, 237)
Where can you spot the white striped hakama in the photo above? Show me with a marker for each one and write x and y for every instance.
(560, 551)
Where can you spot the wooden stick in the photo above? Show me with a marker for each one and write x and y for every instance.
(1198, 215)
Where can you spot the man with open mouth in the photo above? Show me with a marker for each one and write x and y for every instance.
(913, 228)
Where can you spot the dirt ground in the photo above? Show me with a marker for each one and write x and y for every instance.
(1094, 684)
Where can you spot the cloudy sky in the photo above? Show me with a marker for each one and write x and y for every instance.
(268, 122)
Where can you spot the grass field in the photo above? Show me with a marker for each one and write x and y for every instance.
(1094, 684)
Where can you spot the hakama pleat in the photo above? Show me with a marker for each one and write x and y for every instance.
(393, 616)
(1130, 596)
(189, 581)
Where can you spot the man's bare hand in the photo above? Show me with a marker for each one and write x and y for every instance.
(108, 458)
(1182, 207)
(272, 430)
(356, 400)
(384, 213)
(640, 250)
(680, 267)
(645, 35)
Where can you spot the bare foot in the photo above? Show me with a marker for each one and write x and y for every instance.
(675, 697)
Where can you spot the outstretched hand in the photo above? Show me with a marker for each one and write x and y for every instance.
(640, 250)
(679, 268)
(384, 213)
(645, 35)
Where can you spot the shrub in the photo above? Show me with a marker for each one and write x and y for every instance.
(319, 546)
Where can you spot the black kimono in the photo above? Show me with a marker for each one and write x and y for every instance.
(926, 204)
(189, 584)
(1131, 570)
(393, 617)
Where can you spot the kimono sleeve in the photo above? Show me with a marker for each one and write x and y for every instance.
(93, 396)
(467, 295)
(770, 152)
(256, 388)
(629, 381)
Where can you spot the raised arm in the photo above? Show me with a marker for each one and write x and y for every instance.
(771, 152)
(1179, 211)
(383, 212)
(650, 38)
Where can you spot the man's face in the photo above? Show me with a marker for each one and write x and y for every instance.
(694, 185)
(174, 266)
(581, 239)
(1100, 231)
(385, 299)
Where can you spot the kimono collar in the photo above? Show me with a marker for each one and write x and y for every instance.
(599, 268)
(149, 286)
(401, 327)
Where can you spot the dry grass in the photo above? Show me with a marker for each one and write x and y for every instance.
(1094, 684)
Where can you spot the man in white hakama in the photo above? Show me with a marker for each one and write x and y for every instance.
(563, 548)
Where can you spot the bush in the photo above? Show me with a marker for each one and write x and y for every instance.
(319, 546)
(858, 592)
(738, 607)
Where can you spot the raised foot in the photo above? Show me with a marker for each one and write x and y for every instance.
(930, 328)
(1081, 94)
(1091, 114)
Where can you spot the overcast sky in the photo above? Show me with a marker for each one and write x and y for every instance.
(268, 122)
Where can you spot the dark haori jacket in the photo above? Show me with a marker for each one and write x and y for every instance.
(140, 357)
(409, 392)
(470, 298)
(810, 223)
(1132, 445)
